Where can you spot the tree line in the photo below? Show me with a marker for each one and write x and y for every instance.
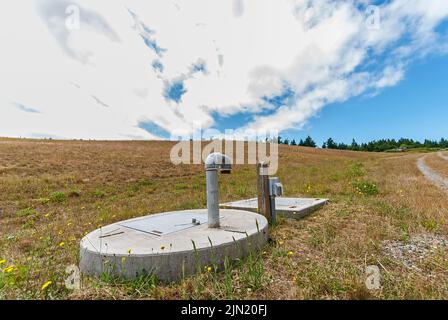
(372, 146)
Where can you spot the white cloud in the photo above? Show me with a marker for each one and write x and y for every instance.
(100, 81)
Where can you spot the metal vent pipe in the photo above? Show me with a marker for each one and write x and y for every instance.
(215, 162)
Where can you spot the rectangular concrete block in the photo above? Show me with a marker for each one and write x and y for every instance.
(292, 208)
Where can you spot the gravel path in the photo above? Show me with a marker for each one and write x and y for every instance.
(431, 175)
(442, 155)
(416, 249)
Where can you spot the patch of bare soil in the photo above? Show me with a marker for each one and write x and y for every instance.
(411, 252)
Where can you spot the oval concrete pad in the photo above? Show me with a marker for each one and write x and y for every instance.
(171, 245)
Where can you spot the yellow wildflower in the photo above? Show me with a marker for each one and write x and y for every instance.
(281, 242)
(8, 269)
(209, 269)
(290, 253)
(129, 251)
(62, 244)
(2, 261)
(46, 284)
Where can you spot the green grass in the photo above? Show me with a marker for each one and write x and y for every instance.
(25, 212)
(99, 193)
(57, 197)
(366, 188)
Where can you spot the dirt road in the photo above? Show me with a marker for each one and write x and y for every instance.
(431, 175)
(442, 155)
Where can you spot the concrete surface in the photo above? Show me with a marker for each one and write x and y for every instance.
(163, 244)
(292, 208)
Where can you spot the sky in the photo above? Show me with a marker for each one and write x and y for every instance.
(157, 69)
(416, 108)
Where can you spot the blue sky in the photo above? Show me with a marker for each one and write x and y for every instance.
(137, 69)
(415, 108)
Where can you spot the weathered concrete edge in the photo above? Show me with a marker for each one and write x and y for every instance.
(169, 267)
(304, 212)
(299, 214)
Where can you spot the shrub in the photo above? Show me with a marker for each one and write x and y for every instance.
(57, 197)
(25, 212)
(357, 170)
(430, 225)
(44, 201)
(99, 194)
(366, 188)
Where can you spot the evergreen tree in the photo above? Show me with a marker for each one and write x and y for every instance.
(354, 146)
(309, 142)
(430, 144)
(342, 146)
(331, 144)
(381, 145)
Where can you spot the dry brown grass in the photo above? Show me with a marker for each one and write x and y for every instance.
(438, 164)
(54, 192)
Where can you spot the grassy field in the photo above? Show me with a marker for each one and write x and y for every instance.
(439, 164)
(52, 193)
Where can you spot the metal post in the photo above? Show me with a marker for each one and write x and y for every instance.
(215, 162)
(264, 201)
(273, 212)
(211, 176)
